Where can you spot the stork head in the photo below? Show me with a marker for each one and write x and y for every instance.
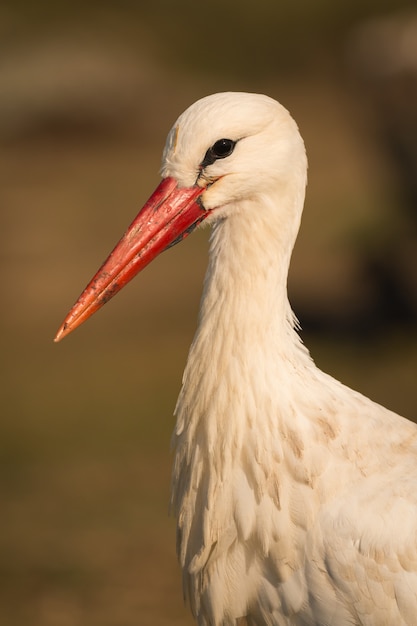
(234, 146)
(223, 151)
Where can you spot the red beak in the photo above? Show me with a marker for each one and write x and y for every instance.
(169, 215)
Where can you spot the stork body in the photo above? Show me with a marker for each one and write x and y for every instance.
(296, 497)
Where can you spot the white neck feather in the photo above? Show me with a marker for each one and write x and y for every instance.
(245, 349)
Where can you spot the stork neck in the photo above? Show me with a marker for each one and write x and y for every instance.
(245, 291)
(246, 326)
(236, 376)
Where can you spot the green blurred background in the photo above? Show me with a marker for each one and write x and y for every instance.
(88, 92)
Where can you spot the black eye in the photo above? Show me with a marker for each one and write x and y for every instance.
(223, 148)
(219, 150)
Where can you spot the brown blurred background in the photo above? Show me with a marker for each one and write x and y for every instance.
(88, 92)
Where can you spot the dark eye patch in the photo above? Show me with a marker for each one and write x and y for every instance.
(219, 150)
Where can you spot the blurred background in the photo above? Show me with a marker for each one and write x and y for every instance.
(88, 92)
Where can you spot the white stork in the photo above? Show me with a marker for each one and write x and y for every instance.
(295, 497)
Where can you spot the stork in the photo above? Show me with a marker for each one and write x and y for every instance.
(295, 496)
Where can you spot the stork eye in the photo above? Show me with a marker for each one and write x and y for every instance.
(223, 148)
(219, 150)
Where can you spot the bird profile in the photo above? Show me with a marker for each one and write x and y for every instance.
(295, 496)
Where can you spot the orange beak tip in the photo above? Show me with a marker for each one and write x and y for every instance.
(58, 336)
(61, 333)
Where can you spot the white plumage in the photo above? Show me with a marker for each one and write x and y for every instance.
(296, 497)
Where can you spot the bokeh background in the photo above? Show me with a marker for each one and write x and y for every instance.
(88, 92)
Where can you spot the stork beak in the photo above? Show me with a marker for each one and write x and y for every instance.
(169, 215)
